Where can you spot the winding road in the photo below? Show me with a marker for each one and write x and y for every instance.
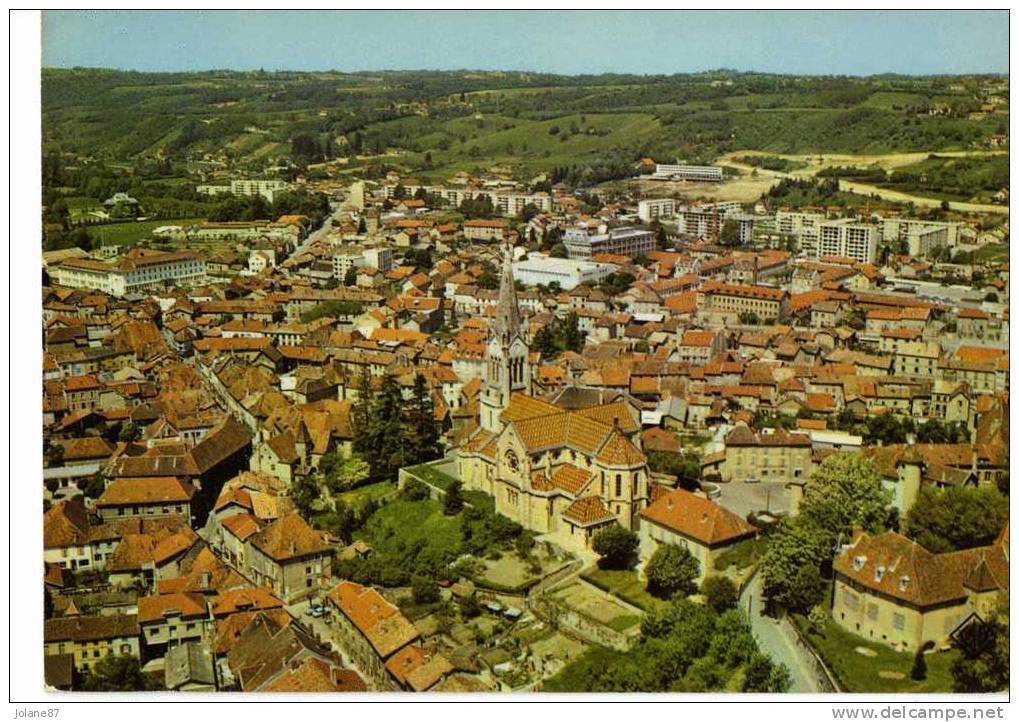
(778, 640)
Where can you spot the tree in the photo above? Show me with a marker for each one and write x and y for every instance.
(421, 427)
(763, 675)
(729, 235)
(792, 564)
(454, 503)
(719, 592)
(983, 666)
(129, 432)
(424, 589)
(672, 570)
(305, 492)
(350, 277)
(919, 671)
(121, 673)
(95, 486)
(616, 546)
(488, 280)
(349, 473)
(362, 227)
(469, 607)
(957, 517)
(845, 492)
(559, 251)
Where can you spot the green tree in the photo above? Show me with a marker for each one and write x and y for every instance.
(845, 492)
(454, 502)
(350, 277)
(422, 428)
(350, 473)
(119, 673)
(129, 432)
(95, 486)
(918, 672)
(424, 589)
(305, 492)
(763, 675)
(719, 592)
(792, 563)
(672, 570)
(616, 546)
(983, 665)
(488, 280)
(729, 235)
(559, 251)
(956, 517)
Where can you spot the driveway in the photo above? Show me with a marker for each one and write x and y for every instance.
(779, 641)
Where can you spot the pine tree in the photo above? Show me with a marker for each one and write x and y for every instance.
(422, 432)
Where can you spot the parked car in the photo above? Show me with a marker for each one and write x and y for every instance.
(316, 610)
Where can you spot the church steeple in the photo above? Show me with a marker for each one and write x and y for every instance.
(508, 369)
(507, 314)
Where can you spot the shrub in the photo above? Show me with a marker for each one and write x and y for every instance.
(919, 670)
(720, 593)
(672, 570)
(415, 491)
(425, 589)
(616, 546)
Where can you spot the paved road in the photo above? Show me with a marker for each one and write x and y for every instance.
(779, 642)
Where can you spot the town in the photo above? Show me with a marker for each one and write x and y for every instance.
(736, 423)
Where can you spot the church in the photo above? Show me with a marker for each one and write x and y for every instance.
(566, 465)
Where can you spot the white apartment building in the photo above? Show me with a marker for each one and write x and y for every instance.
(265, 188)
(709, 173)
(705, 221)
(652, 208)
(140, 270)
(380, 258)
(538, 269)
(921, 236)
(850, 239)
(507, 202)
(581, 243)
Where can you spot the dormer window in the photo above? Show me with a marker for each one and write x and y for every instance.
(858, 562)
(903, 582)
(879, 574)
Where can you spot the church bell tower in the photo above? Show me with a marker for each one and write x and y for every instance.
(507, 367)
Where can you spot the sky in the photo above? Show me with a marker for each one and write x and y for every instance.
(820, 42)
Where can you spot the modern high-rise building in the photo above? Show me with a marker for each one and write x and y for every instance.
(850, 239)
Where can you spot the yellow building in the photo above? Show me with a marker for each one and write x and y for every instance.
(565, 466)
(90, 638)
(697, 524)
(771, 455)
(891, 590)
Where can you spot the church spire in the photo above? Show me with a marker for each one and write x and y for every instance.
(507, 313)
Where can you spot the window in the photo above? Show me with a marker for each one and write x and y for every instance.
(872, 612)
(899, 621)
(619, 484)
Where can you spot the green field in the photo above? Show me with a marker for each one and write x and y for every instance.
(625, 584)
(861, 673)
(428, 472)
(130, 232)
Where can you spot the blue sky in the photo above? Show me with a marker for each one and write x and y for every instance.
(569, 42)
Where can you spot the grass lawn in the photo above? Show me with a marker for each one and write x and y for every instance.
(122, 234)
(991, 253)
(427, 472)
(414, 522)
(625, 584)
(355, 498)
(479, 500)
(860, 673)
(624, 622)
